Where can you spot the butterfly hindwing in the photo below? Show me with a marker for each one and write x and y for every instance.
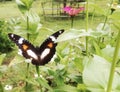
(48, 48)
(39, 55)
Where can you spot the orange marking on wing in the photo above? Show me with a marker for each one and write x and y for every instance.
(50, 45)
(25, 47)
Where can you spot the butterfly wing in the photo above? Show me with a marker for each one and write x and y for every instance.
(48, 48)
(26, 49)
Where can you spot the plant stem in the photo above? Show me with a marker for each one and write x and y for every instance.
(27, 23)
(87, 27)
(38, 72)
(27, 73)
(72, 19)
(112, 70)
(106, 18)
(27, 27)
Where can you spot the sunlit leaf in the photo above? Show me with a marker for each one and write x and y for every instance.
(65, 88)
(17, 59)
(24, 5)
(72, 34)
(34, 22)
(106, 29)
(81, 86)
(96, 74)
(97, 48)
(78, 62)
(115, 16)
(108, 52)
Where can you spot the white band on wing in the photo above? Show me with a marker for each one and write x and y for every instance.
(45, 53)
(32, 54)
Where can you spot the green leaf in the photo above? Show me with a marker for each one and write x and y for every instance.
(73, 34)
(115, 16)
(24, 5)
(43, 83)
(2, 56)
(81, 86)
(17, 59)
(106, 29)
(34, 22)
(97, 48)
(78, 62)
(65, 88)
(96, 73)
(107, 52)
(1, 87)
(32, 81)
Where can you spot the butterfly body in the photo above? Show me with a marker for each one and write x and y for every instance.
(39, 55)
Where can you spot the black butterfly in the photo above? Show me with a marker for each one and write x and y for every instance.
(39, 55)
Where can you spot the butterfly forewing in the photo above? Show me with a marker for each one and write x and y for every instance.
(25, 47)
(40, 55)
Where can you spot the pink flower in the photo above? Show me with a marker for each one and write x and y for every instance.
(73, 11)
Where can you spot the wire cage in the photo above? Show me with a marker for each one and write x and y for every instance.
(54, 8)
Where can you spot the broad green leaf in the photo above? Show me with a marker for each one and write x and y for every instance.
(24, 5)
(33, 17)
(34, 22)
(2, 56)
(115, 16)
(108, 52)
(73, 34)
(1, 87)
(96, 74)
(106, 29)
(65, 88)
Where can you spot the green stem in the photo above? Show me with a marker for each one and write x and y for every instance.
(106, 18)
(27, 27)
(87, 27)
(27, 74)
(72, 19)
(112, 70)
(38, 72)
(27, 23)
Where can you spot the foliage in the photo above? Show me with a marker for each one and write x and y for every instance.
(6, 44)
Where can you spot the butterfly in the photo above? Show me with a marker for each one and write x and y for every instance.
(39, 55)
